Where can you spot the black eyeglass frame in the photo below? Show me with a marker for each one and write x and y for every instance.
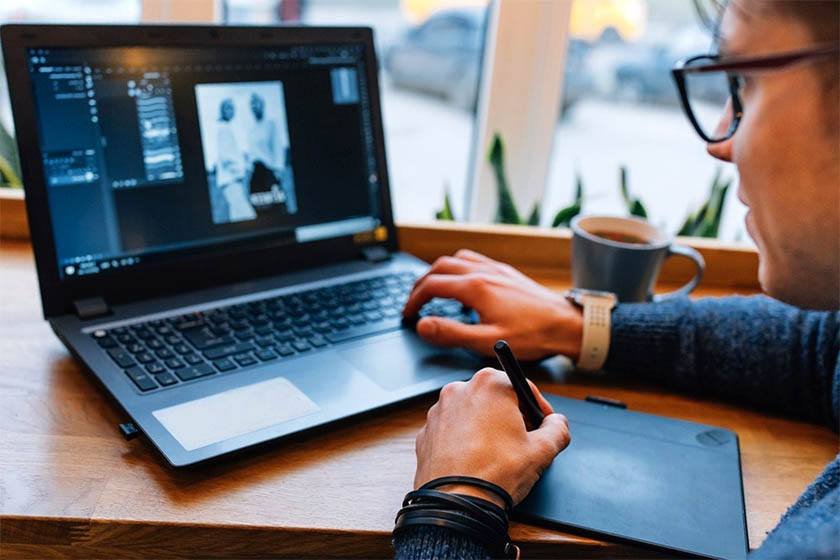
(732, 66)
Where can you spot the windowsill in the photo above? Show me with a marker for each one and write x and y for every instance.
(543, 251)
(13, 223)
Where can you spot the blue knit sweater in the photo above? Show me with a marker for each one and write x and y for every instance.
(755, 351)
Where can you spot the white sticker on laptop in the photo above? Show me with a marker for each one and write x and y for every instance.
(239, 411)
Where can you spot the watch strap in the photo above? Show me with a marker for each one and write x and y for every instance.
(596, 332)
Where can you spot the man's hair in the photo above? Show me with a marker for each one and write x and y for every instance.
(821, 17)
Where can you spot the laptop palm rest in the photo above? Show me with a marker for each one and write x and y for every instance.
(404, 359)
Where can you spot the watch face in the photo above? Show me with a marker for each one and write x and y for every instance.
(595, 293)
(578, 294)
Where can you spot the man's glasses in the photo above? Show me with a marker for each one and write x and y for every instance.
(710, 87)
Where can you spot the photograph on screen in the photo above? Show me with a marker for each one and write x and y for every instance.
(245, 138)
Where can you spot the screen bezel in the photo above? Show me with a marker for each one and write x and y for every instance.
(211, 266)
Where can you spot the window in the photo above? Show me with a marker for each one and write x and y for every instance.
(430, 58)
(620, 108)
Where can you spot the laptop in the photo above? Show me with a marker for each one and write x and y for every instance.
(211, 220)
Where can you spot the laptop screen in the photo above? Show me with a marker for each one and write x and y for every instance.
(151, 152)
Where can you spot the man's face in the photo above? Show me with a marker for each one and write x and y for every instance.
(786, 151)
(257, 107)
(227, 110)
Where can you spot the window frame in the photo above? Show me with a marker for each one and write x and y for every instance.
(525, 116)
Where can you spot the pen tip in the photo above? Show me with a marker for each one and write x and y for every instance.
(500, 345)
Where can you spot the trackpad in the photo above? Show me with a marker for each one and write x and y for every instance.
(239, 411)
(405, 360)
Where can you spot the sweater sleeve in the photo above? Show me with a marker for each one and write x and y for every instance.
(753, 350)
(436, 543)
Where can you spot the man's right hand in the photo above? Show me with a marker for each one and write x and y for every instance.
(534, 320)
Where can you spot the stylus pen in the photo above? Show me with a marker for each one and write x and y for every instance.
(527, 401)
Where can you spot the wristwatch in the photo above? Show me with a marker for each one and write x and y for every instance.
(597, 308)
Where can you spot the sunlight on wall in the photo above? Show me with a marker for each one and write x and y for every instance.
(591, 18)
(418, 10)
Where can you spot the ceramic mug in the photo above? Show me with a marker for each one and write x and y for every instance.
(624, 256)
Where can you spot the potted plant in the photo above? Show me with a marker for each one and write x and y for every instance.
(12, 209)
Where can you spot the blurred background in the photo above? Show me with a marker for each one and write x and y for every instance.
(618, 106)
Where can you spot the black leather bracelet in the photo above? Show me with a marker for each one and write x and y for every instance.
(475, 482)
(462, 524)
(476, 518)
(422, 499)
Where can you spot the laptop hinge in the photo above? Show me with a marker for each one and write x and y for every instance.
(376, 254)
(90, 308)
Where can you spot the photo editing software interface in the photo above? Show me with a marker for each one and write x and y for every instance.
(150, 153)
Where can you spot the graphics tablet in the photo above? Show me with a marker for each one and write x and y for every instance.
(653, 480)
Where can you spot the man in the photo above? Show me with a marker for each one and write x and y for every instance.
(757, 351)
(229, 168)
(267, 189)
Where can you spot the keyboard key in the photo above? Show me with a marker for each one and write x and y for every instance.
(301, 345)
(155, 367)
(204, 339)
(135, 348)
(173, 339)
(165, 354)
(365, 330)
(194, 372)
(318, 341)
(144, 333)
(284, 349)
(189, 324)
(142, 379)
(304, 331)
(107, 342)
(228, 350)
(144, 357)
(372, 316)
(166, 379)
(182, 348)
(192, 359)
(245, 360)
(126, 339)
(154, 343)
(266, 355)
(123, 358)
(174, 363)
(225, 364)
(264, 342)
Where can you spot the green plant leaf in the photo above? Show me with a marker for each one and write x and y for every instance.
(622, 185)
(534, 218)
(445, 213)
(635, 207)
(9, 166)
(506, 212)
(564, 217)
(706, 220)
(638, 209)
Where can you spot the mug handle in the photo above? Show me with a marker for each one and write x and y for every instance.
(699, 264)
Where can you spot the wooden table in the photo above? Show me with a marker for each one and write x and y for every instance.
(71, 486)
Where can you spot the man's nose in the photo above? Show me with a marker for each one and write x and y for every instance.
(722, 150)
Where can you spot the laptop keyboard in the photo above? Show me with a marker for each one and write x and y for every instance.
(167, 352)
